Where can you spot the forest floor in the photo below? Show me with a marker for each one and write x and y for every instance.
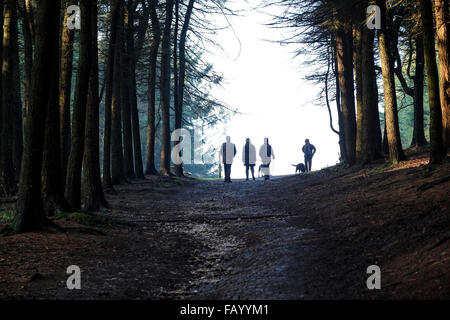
(310, 236)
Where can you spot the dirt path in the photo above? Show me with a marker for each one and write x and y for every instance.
(300, 237)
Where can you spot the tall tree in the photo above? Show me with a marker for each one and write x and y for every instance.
(65, 88)
(165, 89)
(390, 97)
(109, 73)
(156, 38)
(344, 53)
(367, 146)
(17, 104)
(133, 53)
(94, 198)
(52, 186)
(117, 166)
(30, 214)
(73, 179)
(436, 143)
(27, 27)
(125, 100)
(8, 97)
(443, 40)
(179, 89)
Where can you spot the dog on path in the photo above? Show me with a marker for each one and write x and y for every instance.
(299, 168)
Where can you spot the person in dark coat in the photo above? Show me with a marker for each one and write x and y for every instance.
(227, 153)
(309, 150)
(249, 157)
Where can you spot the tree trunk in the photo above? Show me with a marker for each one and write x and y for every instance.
(436, 143)
(52, 187)
(443, 41)
(178, 116)
(338, 108)
(73, 179)
(94, 198)
(109, 72)
(117, 166)
(182, 75)
(390, 97)
(125, 104)
(165, 90)
(18, 121)
(30, 215)
(8, 98)
(133, 55)
(344, 54)
(28, 53)
(65, 88)
(418, 131)
(367, 147)
(150, 150)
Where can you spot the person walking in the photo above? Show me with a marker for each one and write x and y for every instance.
(249, 158)
(227, 153)
(266, 153)
(309, 150)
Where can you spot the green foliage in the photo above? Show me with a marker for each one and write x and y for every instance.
(6, 217)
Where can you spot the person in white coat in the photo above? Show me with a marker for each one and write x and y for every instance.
(249, 158)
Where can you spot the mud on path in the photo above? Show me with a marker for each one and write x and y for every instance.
(300, 237)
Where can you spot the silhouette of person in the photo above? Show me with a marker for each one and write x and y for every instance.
(249, 157)
(227, 153)
(266, 153)
(309, 150)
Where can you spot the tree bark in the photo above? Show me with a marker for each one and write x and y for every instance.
(367, 146)
(117, 166)
(182, 75)
(156, 32)
(133, 53)
(419, 131)
(73, 179)
(443, 44)
(52, 187)
(436, 143)
(30, 215)
(338, 107)
(28, 51)
(178, 170)
(65, 88)
(8, 98)
(390, 97)
(109, 73)
(165, 90)
(125, 102)
(344, 54)
(94, 198)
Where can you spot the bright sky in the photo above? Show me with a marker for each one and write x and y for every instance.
(266, 85)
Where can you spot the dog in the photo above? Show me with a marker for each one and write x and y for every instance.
(260, 169)
(299, 168)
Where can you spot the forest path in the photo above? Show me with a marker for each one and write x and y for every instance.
(310, 236)
(230, 242)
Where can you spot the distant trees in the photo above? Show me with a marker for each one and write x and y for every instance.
(52, 132)
(324, 26)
